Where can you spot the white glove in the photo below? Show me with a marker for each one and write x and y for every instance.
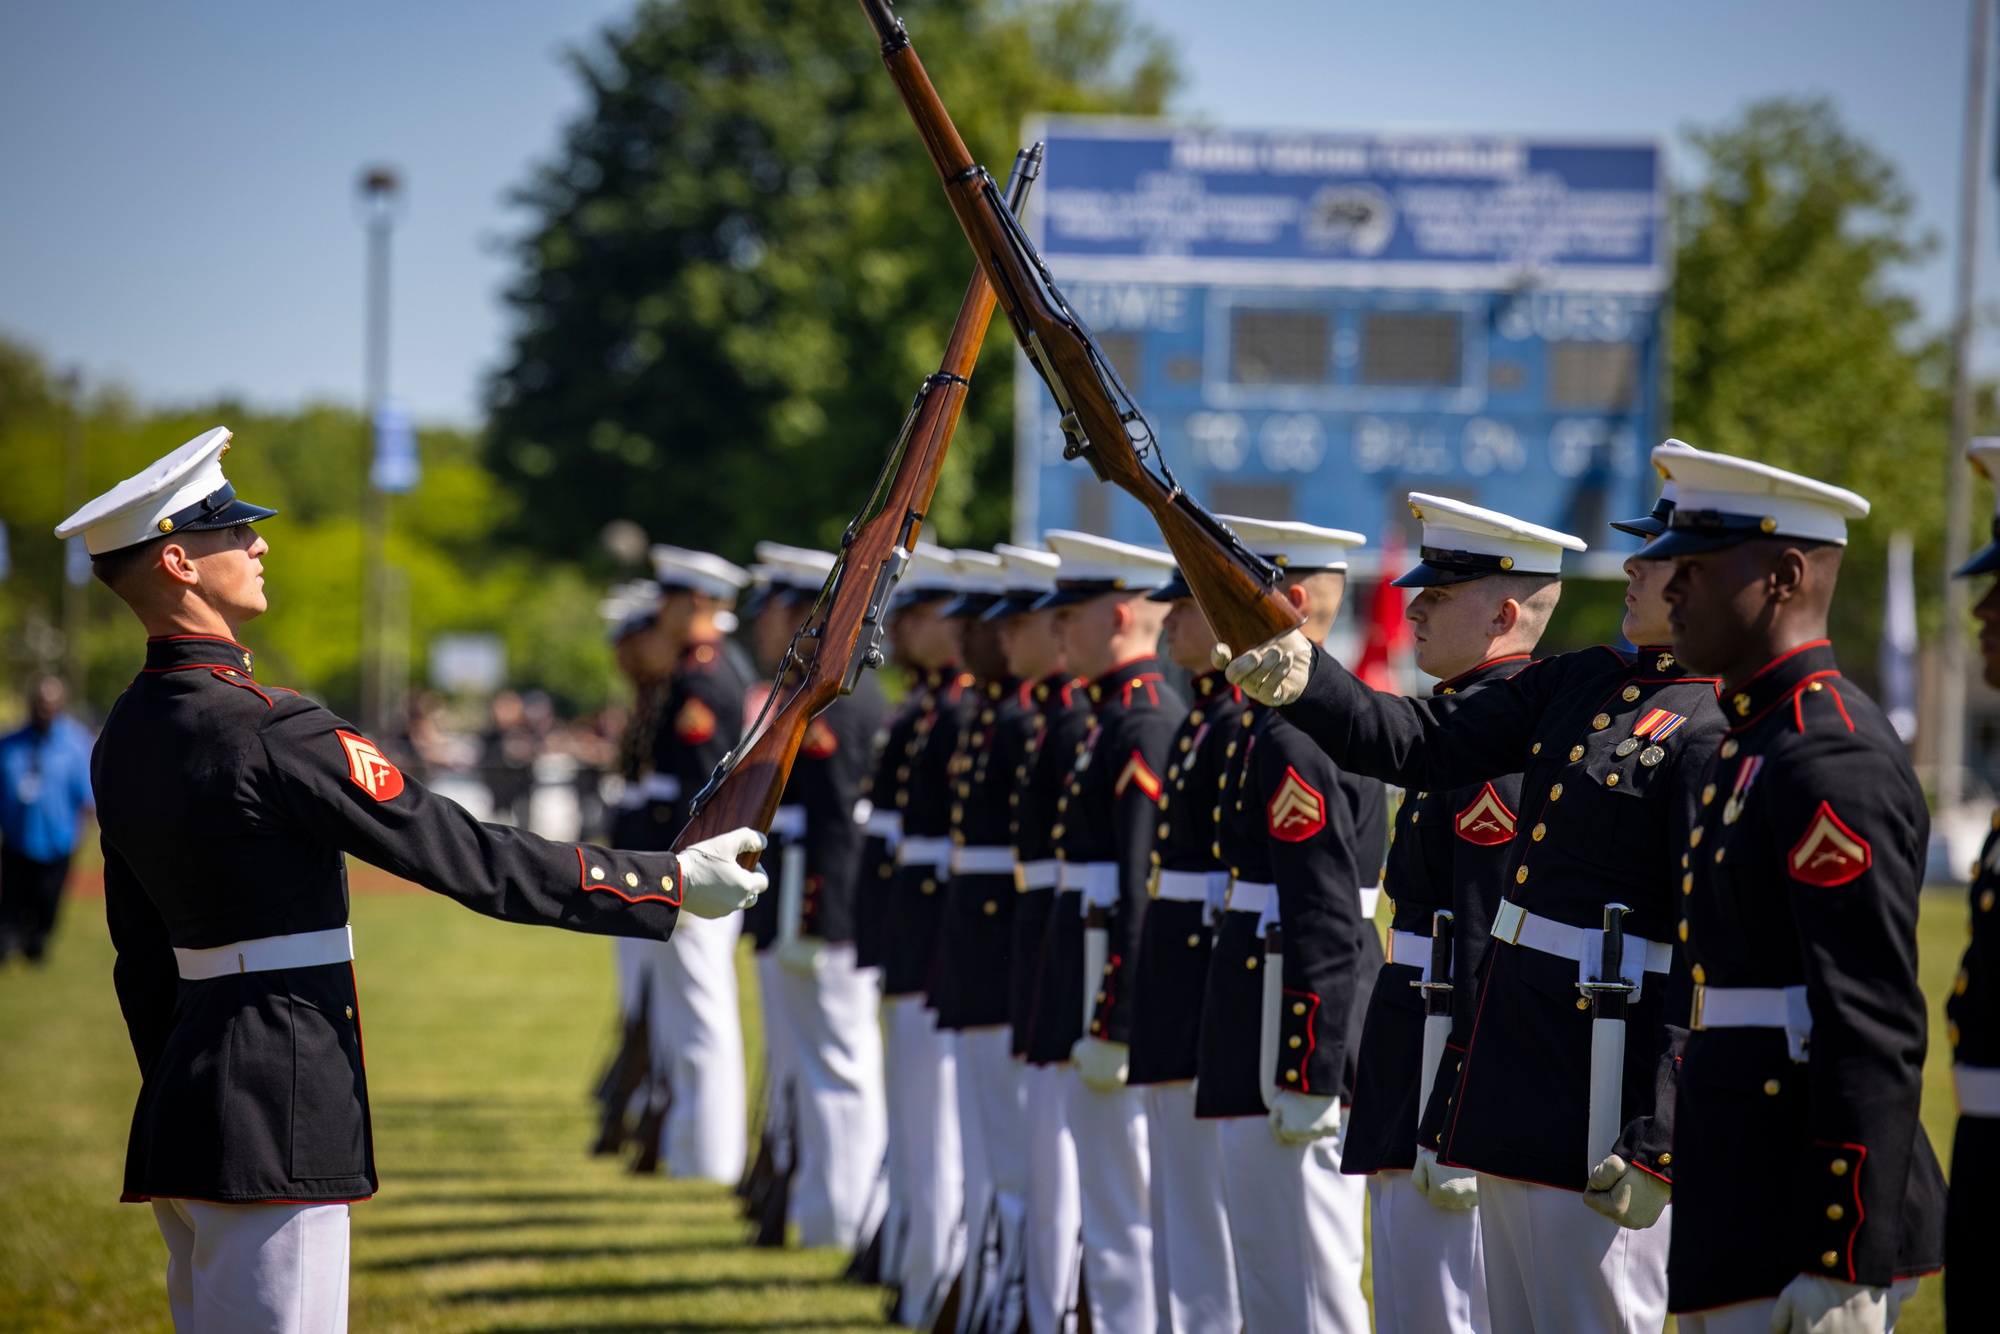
(1627, 1195)
(1102, 1064)
(1274, 672)
(1452, 1189)
(1301, 1118)
(1811, 1304)
(713, 883)
(801, 956)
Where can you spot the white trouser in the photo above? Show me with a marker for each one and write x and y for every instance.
(781, 1060)
(837, 1099)
(1194, 1279)
(629, 960)
(1754, 1317)
(1296, 1225)
(1429, 1278)
(1555, 1266)
(255, 1268)
(994, 1139)
(926, 1168)
(1111, 1171)
(1054, 1241)
(698, 1040)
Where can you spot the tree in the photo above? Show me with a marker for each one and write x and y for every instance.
(742, 265)
(1791, 345)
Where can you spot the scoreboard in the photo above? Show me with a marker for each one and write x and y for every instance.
(1316, 324)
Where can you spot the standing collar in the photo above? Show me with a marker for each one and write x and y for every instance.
(1657, 662)
(171, 653)
(1485, 671)
(1775, 682)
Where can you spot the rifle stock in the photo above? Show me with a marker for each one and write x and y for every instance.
(855, 601)
(1237, 590)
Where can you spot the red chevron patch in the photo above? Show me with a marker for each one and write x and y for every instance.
(1297, 811)
(1487, 821)
(1830, 853)
(1137, 771)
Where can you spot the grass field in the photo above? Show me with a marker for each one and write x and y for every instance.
(481, 1041)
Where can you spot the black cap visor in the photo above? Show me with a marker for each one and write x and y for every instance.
(968, 605)
(1696, 532)
(1173, 590)
(1652, 525)
(217, 510)
(1986, 560)
(1069, 593)
(1015, 602)
(1439, 567)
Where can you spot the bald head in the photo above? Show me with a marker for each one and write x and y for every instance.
(1731, 611)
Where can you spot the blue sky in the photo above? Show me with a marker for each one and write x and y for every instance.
(178, 215)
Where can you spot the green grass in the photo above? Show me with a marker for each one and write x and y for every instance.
(481, 1041)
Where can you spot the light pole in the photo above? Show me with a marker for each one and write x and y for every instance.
(1958, 498)
(380, 188)
(76, 561)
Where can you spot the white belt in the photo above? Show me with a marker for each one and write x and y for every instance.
(1517, 926)
(924, 852)
(660, 787)
(305, 949)
(982, 861)
(789, 823)
(1370, 896)
(1411, 950)
(1098, 882)
(1978, 1089)
(1756, 1007)
(1182, 886)
(1251, 896)
(879, 824)
(1037, 875)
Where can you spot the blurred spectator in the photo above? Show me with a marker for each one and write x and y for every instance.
(507, 757)
(44, 793)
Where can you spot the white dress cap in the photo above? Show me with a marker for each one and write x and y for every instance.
(980, 571)
(1028, 570)
(1463, 542)
(151, 503)
(1295, 546)
(791, 567)
(1983, 452)
(698, 571)
(1722, 499)
(931, 574)
(1092, 566)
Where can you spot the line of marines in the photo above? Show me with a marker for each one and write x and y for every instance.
(1144, 1051)
(1077, 1014)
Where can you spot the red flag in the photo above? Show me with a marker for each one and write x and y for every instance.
(1386, 653)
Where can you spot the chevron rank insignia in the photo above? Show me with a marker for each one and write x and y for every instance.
(1297, 810)
(695, 723)
(1830, 853)
(1137, 772)
(1487, 821)
(820, 740)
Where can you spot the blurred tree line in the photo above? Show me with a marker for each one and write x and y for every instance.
(740, 266)
(309, 466)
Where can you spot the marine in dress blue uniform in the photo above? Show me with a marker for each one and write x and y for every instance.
(697, 1059)
(1972, 1232)
(226, 804)
(825, 1123)
(1805, 1190)
(1194, 1272)
(1304, 843)
(1104, 840)
(1062, 714)
(1604, 800)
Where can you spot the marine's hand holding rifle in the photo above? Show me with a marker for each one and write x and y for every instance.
(847, 621)
(1101, 422)
(1627, 1195)
(713, 883)
(1274, 672)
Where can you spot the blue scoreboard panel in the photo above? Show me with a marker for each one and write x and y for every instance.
(1316, 324)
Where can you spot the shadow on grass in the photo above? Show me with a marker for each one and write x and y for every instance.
(442, 1200)
(546, 1254)
(507, 1224)
(681, 1326)
(664, 1287)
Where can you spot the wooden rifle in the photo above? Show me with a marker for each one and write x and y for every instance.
(1101, 422)
(848, 618)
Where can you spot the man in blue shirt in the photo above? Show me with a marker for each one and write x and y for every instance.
(44, 791)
